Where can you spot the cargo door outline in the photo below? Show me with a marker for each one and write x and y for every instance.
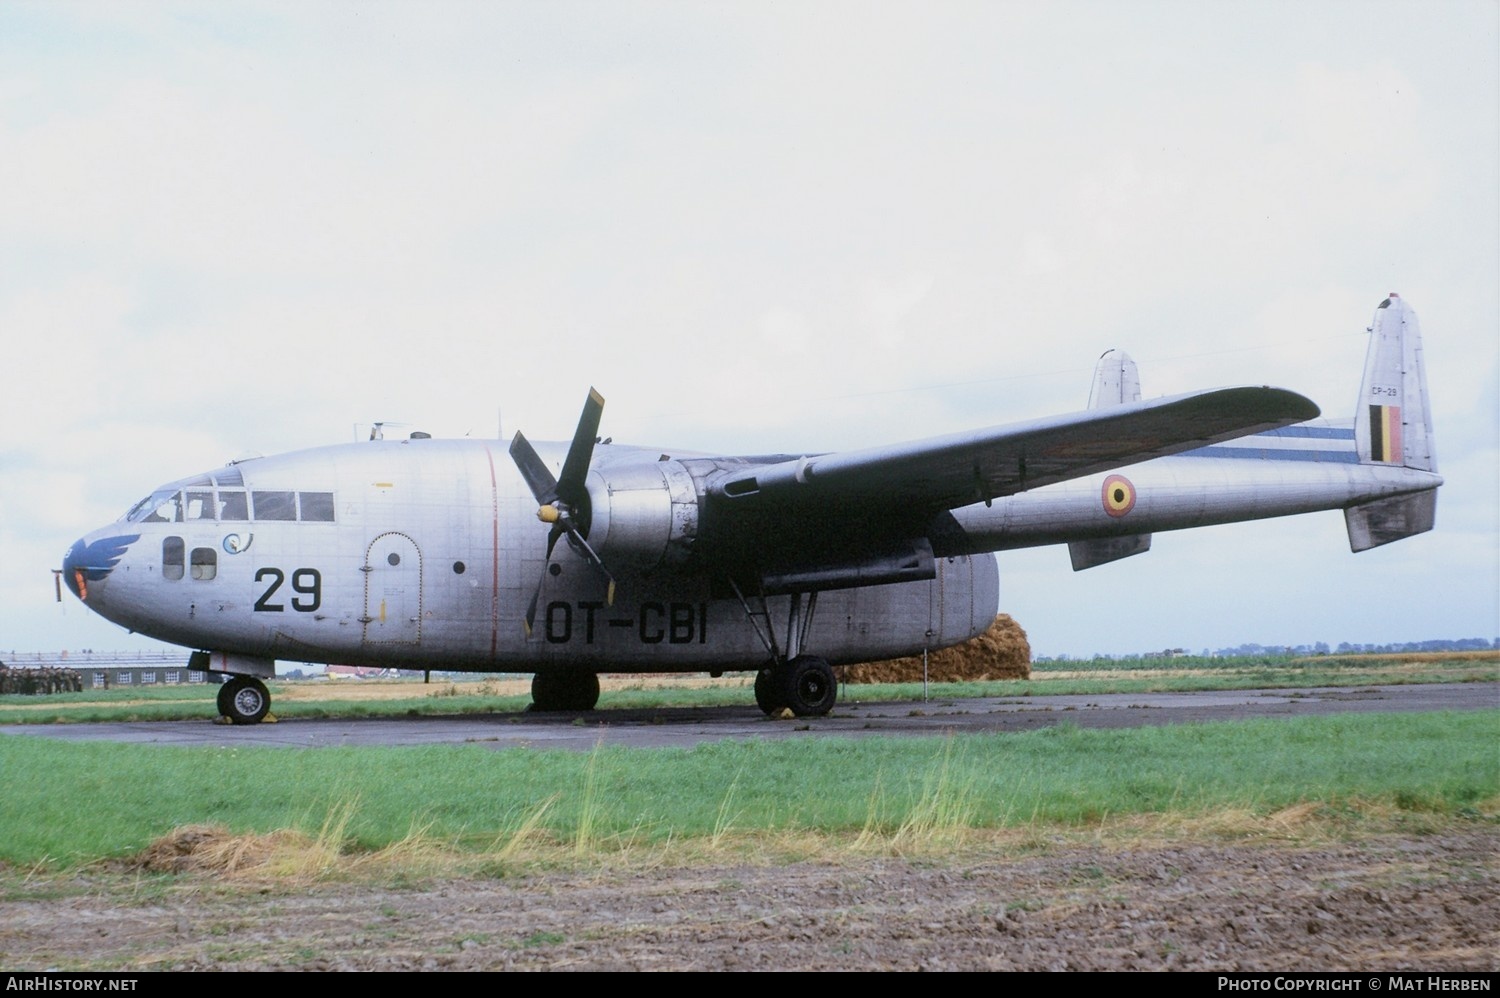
(937, 605)
(941, 602)
(393, 590)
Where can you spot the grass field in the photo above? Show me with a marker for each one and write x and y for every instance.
(74, 804)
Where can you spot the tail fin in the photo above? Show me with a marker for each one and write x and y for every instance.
(1393, 426)
(1116, 382)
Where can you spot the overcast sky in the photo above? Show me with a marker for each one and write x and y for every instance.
(238, 228)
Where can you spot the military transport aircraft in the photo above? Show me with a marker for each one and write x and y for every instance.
(427, 554)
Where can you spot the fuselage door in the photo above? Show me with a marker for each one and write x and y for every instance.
(937, 604)
(393, 590)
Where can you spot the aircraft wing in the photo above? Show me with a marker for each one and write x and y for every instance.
(915, 480)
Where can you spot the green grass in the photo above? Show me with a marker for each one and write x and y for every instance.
(69, 804)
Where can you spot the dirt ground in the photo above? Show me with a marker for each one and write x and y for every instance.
(1409, 902)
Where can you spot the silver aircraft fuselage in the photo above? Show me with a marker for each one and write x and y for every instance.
(428, 561)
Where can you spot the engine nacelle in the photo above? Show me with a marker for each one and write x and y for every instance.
(644, 515)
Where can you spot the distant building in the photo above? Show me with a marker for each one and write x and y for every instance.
(111, 678)
(111, 670)
(358, 672)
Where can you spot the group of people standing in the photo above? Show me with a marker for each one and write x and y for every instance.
(40, 681)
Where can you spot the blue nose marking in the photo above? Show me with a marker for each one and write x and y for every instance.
(94, 561)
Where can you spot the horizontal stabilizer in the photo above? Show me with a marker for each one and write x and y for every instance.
(1386, 520)
(1102, 550)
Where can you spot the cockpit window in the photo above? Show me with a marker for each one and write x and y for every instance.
(275, 505)
(229, 476)
(233, 505)
(316, 507)
(161, 506)
(136, 512)
(198, 505)
(199, 500)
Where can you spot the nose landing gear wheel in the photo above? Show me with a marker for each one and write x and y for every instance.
(244, 700)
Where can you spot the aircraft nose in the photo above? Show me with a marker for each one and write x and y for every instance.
(91, 559)
(72, 569)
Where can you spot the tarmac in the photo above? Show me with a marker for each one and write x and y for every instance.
(851, 717)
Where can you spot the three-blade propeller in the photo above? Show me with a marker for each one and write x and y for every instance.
(564, 502)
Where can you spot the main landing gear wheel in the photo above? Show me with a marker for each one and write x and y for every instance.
(767, 691)
(244, 700)
(807, 685)
(565, 689)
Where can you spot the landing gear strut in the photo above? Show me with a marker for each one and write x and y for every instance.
(803, 684)
(244, 700)
(565, 689)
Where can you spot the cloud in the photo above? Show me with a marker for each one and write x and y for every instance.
(753, 228)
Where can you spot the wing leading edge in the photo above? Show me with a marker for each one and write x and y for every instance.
(882, 514)
(924, 477)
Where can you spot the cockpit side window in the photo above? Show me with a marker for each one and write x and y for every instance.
(275, 505)
(317, 507)
(198, 505)
(233, 506)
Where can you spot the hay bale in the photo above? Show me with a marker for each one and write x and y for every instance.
(1002, 652)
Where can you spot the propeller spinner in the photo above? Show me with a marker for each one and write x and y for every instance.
(564, 502)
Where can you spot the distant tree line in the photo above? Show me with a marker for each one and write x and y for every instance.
(1349, 648)
(1317, 648)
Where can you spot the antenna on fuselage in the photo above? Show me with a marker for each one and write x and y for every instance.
(377, 428)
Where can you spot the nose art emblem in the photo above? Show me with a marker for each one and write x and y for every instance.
(92, 562)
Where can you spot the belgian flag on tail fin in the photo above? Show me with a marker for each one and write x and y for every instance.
(1385, 434)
